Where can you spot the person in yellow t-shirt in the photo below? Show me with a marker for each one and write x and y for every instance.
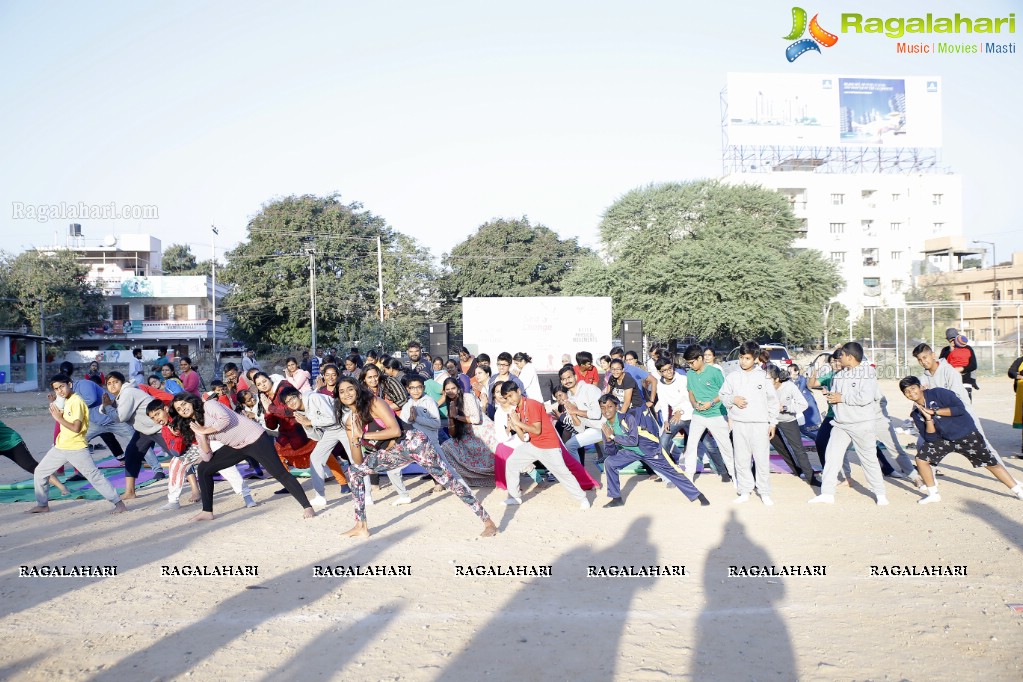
(71, 446)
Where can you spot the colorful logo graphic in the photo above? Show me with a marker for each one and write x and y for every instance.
(817, 35)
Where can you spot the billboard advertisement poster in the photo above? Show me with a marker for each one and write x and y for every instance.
(544, 327)
(831, 110)
(164, 287)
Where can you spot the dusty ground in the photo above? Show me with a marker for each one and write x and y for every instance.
(287, 624)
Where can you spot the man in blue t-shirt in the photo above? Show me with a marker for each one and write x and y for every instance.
(942, 420)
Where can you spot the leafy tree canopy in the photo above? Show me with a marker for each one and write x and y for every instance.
(709, 260)
(71, 304)
(270, 273)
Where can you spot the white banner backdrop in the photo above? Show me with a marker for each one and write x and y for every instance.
(544, 327)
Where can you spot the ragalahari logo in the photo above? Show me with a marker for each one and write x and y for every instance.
(817, 35)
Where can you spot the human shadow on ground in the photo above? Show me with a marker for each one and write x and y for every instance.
(740, 634)
(528, 633)
(1010, 529)
(245, 610)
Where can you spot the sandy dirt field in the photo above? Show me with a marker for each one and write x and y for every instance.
(285, 623)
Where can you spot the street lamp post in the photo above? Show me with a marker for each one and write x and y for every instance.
(311, 251)
(994, 295)
(213, 266)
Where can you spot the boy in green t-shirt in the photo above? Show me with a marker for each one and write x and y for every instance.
(72, 447)
(704, 384)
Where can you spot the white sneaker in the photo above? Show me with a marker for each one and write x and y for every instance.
(369, 498)
(1017, 490)
(882, 501)
(822, 499)
(585, 504)
(741, 499)
(511, 501)
(171, 506)
(318, 501)
(933, 497)
(768, 502)
(402, 499)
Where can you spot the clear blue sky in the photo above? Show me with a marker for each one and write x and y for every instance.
(436, 116)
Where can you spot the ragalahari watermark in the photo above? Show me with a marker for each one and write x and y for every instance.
(82, 211)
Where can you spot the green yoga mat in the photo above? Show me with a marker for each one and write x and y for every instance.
(24, 491)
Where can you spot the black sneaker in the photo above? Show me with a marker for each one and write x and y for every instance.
(725, 478)
(704, 502)
(100, 446)
(74, 478)
(615, 502)
(159, 475)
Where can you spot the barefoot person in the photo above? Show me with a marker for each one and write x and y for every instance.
(13, 447)
(241, 438)
(72, 447)
(130, 404)
(946, 426)
(372, 426)
(316, 413)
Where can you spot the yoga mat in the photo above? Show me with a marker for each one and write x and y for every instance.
(23, 491)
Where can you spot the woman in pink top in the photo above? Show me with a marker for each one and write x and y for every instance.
(298, 377)
(189, 377)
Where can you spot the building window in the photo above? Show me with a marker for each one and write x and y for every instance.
(802, 229)
(895, 227)
(119, 312)
(897, 285)
(152, 313)
(871, 281)
(837, 199)
(939, 228)
(837, 228)
(180, 312)
(869, 257)
(896, 255)
(936, 199)
(838, 256)
(896, 197)
(966, 296)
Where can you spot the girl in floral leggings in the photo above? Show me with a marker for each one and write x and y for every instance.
(378, 445)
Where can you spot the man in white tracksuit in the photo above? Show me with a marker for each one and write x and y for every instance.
(753, 407)
(853, 396)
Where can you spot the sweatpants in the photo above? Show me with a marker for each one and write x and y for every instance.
(822, 440)
(658, 463)
(179, 467)
(886, 436)
(718, 428)
(788, 442)
(588, 436)
(323, 455)
(414, 447)
(137, 448)
(552, 461)
(20, 455)
(863, 436)
(56, 458)
(264, 452)
(752, 445)
(707, 446)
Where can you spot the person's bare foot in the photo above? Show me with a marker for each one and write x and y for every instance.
(489, 529)
(119, 508)
(127, 496)
(202, 516)
(359, 530)
(38, 510)
(308, 513)
(194, 498)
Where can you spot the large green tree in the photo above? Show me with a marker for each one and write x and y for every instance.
(71, 304)
(709, 260)
(270, 276)
(507, 258)
(178, 259)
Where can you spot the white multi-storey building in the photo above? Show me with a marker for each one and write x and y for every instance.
(872, 225)
(146, 308)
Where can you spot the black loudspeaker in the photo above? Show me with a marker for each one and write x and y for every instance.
(439, 340)
(632, 337)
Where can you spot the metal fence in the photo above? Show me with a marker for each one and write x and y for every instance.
(889, 334)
